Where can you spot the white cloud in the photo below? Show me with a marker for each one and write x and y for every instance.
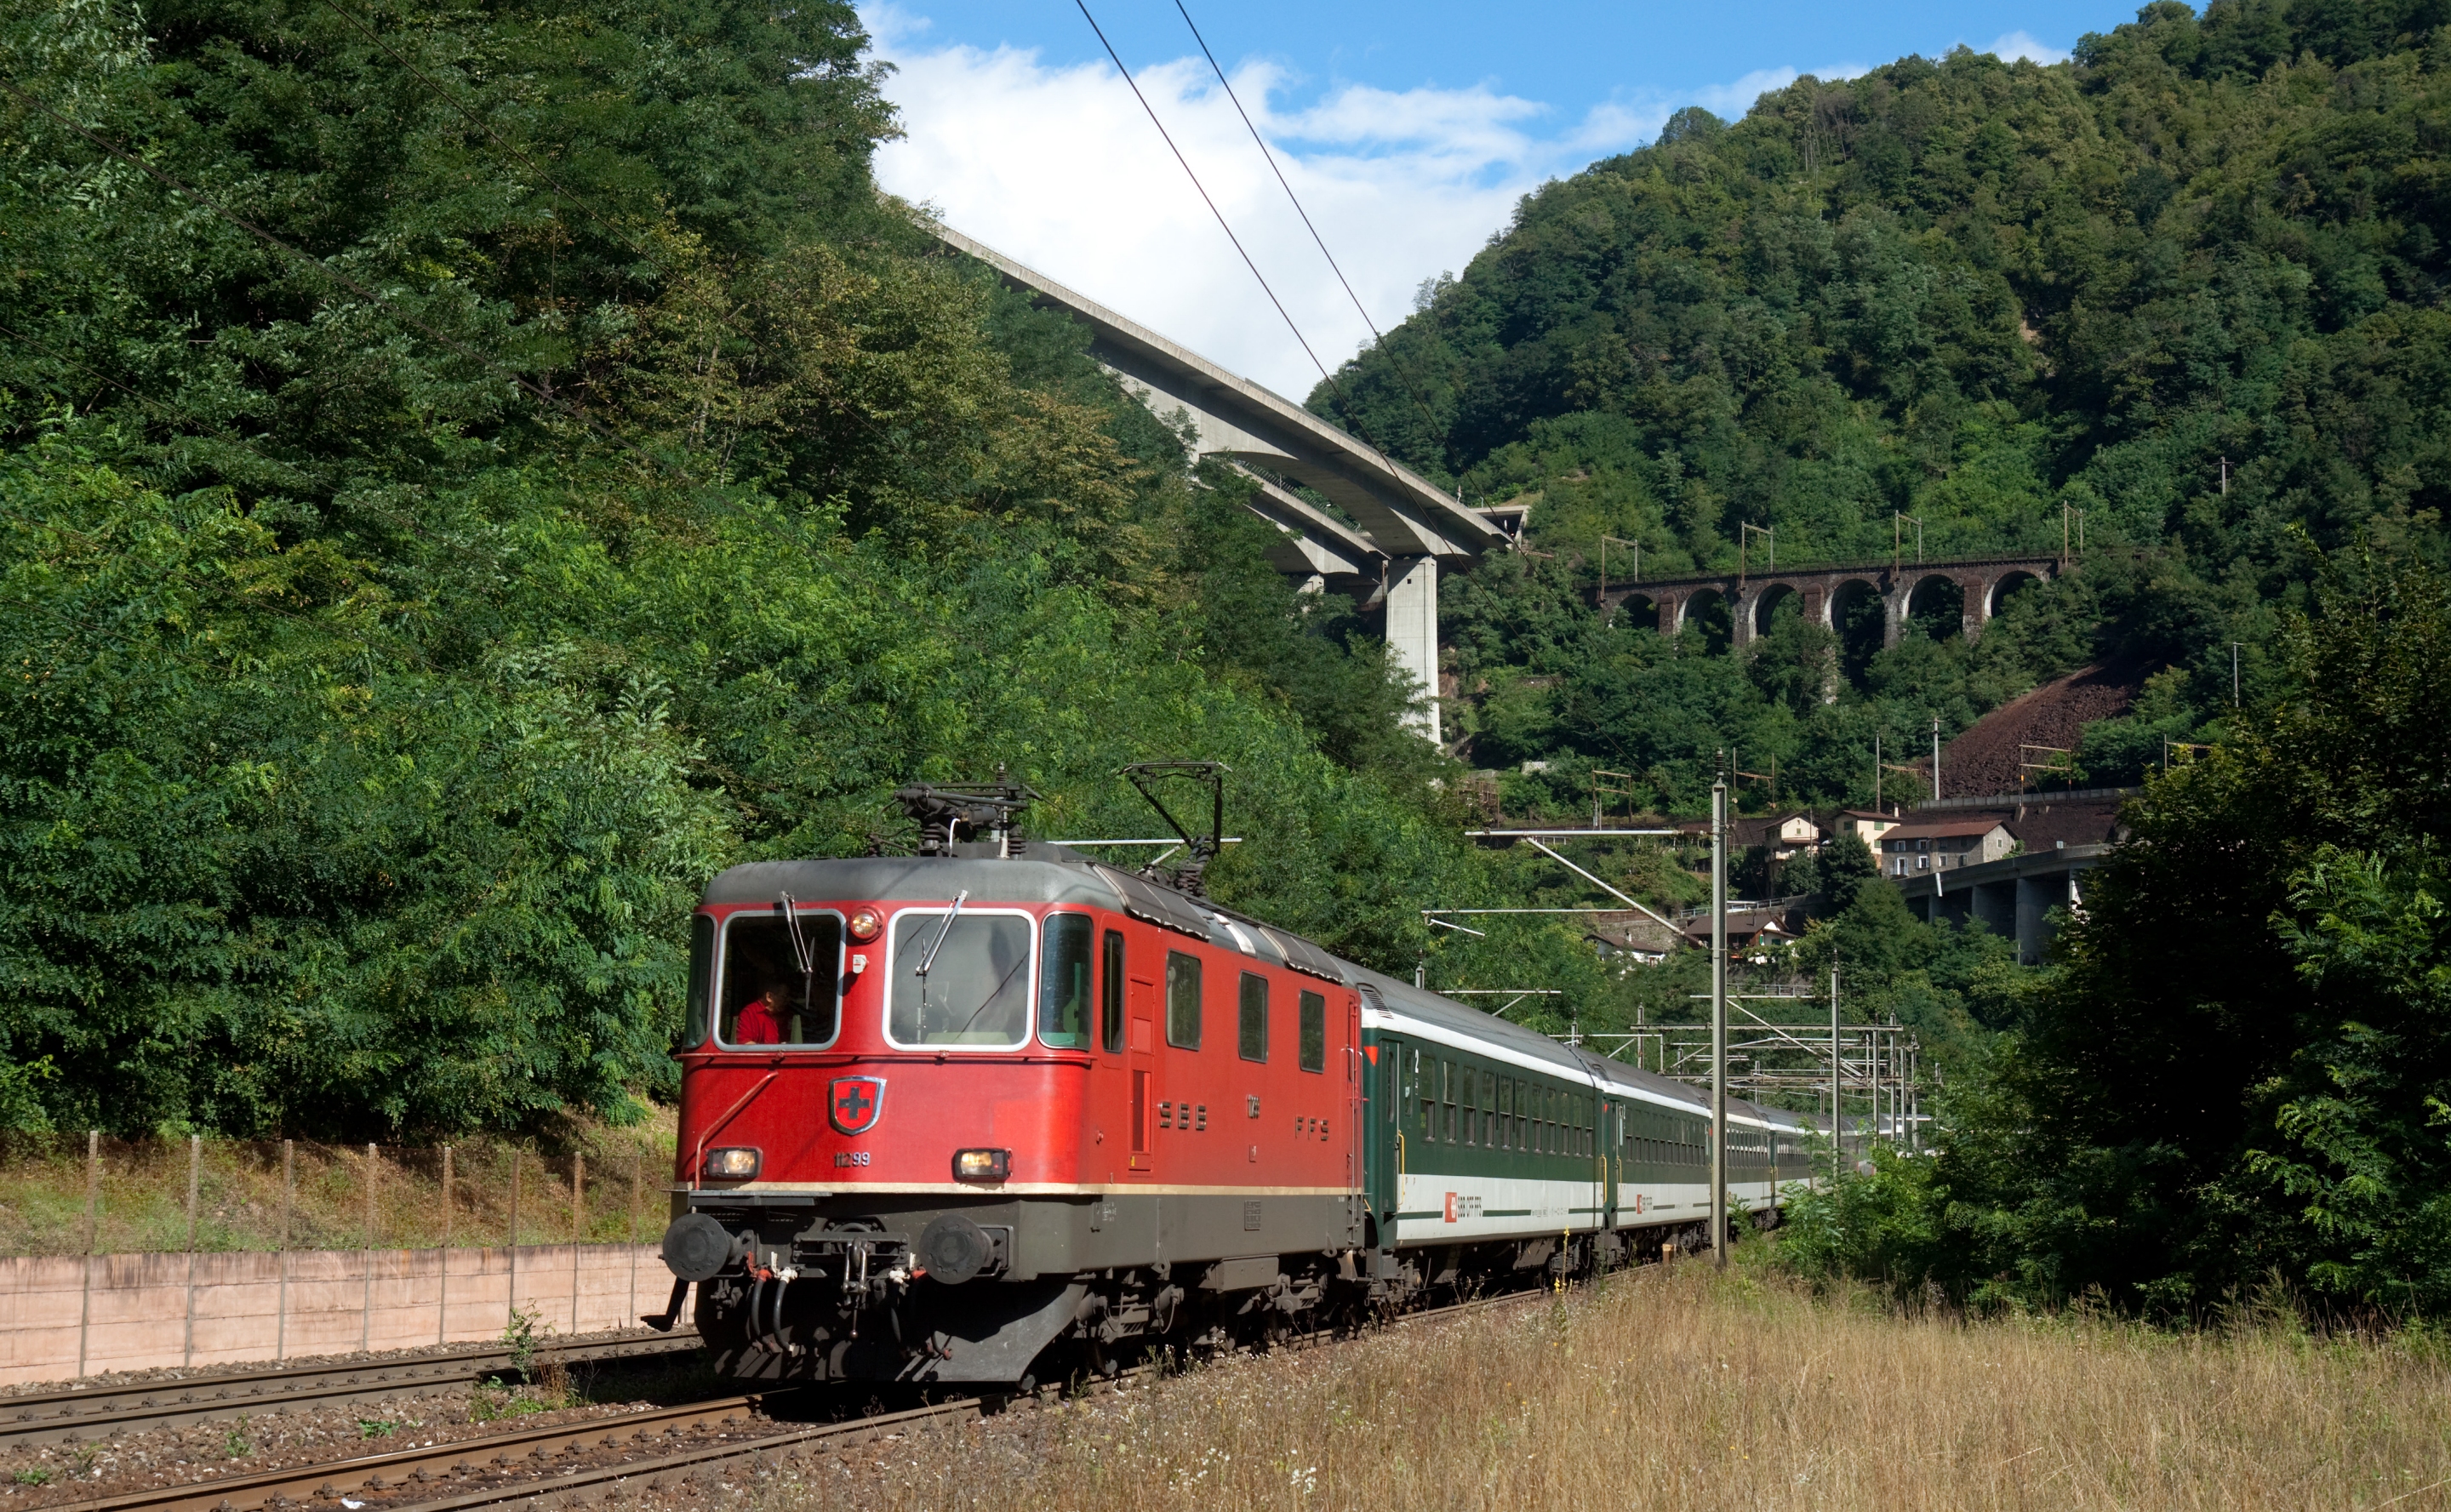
(2022, 45)
(1059, 168)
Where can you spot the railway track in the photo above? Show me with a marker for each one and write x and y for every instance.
(504, 1469)
(98, 1412)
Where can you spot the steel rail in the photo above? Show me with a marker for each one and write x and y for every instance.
(773, 1449)
(328, 1480)
(93, 1412)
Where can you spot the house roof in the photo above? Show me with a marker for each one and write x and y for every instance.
(1947, 828)
(2042, 826)
(1871, 815)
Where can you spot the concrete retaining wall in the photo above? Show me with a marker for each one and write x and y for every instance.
(63, 1316)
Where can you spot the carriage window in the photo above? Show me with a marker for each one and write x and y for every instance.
(701, 982)
(1522, 1127)
(1314, 1033)
(1251, 1024)
(1110, 995)
(976, 989)
(1064, 981)
(777, 985)
(1505, 1137)
(1181, 1000)
(1488, 1110)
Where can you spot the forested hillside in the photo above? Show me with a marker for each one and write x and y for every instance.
(470, 473)
(2189, 284)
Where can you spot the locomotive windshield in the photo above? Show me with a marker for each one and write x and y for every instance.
(976, 989)
(779, 980)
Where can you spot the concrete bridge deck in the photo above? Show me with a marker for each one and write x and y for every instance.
(1827, 593)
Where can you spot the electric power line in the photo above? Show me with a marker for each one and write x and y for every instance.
(1377, 337)
(1134, 85)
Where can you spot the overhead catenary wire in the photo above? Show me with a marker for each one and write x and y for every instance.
(1378, 338)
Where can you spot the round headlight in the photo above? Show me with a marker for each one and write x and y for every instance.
(864, 924)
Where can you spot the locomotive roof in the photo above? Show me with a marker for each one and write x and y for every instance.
(1052, 873)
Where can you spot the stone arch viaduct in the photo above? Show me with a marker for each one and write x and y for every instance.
(1825, 594)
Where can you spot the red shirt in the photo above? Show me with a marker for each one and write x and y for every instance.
(756, 1024)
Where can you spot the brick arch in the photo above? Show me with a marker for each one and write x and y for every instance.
(1996, 592)
(1637, 607)
(1764, 603)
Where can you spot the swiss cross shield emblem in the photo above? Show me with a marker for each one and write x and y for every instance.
(854, 1103)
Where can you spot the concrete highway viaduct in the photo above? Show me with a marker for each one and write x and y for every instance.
(1826, 596)
(1400, 527)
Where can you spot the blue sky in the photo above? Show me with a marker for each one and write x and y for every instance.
(1409, 131)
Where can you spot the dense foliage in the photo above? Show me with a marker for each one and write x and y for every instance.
(471, 472)
(2189, 285)
(2242, 1068)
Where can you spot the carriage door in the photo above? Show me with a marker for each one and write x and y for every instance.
(1382, 1149)
(1140, 1060)
(1612, 1138)
(1357, 1118)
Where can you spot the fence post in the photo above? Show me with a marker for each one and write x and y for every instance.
(637, 1175)
(93, 1219)
(577, 1228)
(515, 1238)
(442, 1287)
(366, 1312)
(195, 1159)
(289, 1199)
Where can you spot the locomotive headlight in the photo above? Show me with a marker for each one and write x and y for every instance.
(734, 1163)
(982, 1164)
(863, 925)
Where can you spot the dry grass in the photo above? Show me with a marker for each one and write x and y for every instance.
(240, 1199)
(1693, 1391)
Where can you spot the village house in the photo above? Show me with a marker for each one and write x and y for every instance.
(1924, 845)
(1867, 825)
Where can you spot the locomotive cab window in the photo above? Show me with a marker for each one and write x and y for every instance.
(1110, 995)
(1064, 995)
(701, 982)
(1251, 1022)
(778, 976)
(1181, 1000)
(960, 980)
(1314, 1033)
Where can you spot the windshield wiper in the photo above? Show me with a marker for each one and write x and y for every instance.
(927, 962)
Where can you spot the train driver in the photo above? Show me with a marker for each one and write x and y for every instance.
(761, 1017)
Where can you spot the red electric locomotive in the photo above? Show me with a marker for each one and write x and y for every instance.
(944, 1114)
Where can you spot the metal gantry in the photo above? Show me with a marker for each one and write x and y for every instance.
(1874, 1079)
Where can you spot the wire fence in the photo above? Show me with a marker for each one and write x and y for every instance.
(93, 1194)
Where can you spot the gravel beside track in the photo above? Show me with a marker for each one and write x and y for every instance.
(568, 1458)
(83, 1414)
(506, 1454)
(722, 1466)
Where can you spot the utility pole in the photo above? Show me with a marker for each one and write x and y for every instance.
(2225, 467)
(1606, 540)
(1720, 1022)
(1935, 759)
(1876, 771)
(2233, 673)
(1898, 521)
(1838, 1159)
